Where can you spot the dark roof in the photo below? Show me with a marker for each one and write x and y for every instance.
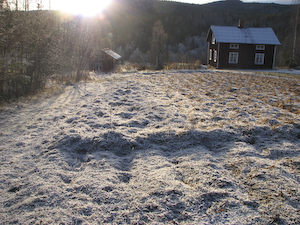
(111, 53)
(245, 35)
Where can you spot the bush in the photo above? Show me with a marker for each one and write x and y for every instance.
(291, 63)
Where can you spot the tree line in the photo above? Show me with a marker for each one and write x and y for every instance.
(37, 44)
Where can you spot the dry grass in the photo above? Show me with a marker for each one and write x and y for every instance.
(253, 93)
(171, 147)
(178, 66)
(131, 67)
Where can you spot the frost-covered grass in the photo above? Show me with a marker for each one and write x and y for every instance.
(173, 147)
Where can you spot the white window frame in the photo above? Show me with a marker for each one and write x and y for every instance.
(213, 39)
(210, 54)
(259, 59)
(234, 46)
(233, 58)
(260, 47)
(215, 55)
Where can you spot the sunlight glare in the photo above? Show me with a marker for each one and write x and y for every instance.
(84, 8)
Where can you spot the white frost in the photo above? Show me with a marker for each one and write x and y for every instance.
(180, 147)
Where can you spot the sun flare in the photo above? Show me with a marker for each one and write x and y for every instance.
(84, 8)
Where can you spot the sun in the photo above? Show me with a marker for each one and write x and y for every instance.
(84, 8)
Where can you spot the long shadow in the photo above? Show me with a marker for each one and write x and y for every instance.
(122, 145)
(216, 141)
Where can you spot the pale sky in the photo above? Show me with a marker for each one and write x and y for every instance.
(207, 1)
(90, 7)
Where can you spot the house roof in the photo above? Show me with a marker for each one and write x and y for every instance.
(245, 35)
(111, 53)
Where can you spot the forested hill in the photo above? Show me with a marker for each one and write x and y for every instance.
(187, 24)
(236, 5)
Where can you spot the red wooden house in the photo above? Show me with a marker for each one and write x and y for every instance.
(241, 47)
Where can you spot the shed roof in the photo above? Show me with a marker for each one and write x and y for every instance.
(111, 53)
(245, 35)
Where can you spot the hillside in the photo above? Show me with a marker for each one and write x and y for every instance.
(252, 7)
(187, 24)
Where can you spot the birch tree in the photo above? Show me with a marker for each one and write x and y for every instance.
(158, 45)
(296, 28)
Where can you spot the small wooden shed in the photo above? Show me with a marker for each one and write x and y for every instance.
(241, 47)
(107, 61)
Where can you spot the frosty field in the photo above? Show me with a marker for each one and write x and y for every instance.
(173, 147)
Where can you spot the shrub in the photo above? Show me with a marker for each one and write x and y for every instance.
(291, 63)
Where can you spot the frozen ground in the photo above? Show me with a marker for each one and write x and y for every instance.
(155, 148)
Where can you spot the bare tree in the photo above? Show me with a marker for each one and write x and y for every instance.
(158, 45)
(2, 4)
(26, 5)
(296, 26)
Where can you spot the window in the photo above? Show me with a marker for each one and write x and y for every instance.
(213, 39)
(233, 57)
(215, 56)
(234, 46)
(210, 54)
(259, 58)
(260, 47)
(98, 66)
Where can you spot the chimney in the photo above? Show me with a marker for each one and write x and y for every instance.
(241, 24)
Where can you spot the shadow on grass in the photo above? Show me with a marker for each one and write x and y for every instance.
(215, 141)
